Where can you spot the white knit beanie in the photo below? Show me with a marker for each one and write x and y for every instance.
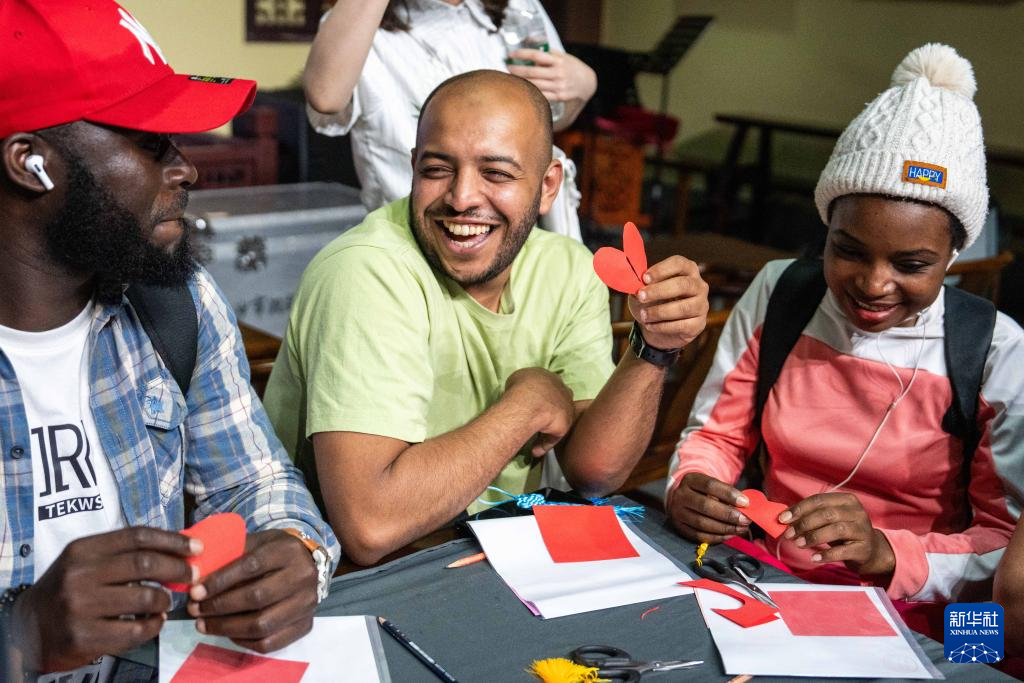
(919, 139)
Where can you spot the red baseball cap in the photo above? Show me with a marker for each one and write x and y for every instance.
(66, 60)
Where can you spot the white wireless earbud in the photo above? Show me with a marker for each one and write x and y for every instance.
(34, 165)
(956, 252)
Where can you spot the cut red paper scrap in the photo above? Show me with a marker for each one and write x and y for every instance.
(223, 537)
(751, 613)
(209, 664)
(582, 533)
(623, 270)
(764, 513)
(831, 613)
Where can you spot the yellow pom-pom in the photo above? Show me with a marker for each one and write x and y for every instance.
(701, 549)
(558, 670)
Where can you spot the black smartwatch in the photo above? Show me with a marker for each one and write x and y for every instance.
(661, 358)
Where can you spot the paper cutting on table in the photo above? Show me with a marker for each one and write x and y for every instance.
(582, 533)
(817, 613)
(336, 648)
(209, 663)
(772, 650)
(516, 551)
(764, 513)
(623, 270)
(223, 537)
(752, 612)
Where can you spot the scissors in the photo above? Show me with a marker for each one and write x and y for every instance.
(740, 570)
(617, 665)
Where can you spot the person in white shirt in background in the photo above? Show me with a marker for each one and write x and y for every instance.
(374, 62)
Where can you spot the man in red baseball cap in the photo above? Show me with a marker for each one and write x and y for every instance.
(99, 440)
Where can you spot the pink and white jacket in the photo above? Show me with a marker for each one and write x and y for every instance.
(826, 404)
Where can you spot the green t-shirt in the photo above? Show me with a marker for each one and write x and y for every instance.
(380, 343)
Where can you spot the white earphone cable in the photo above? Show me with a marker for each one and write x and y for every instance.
(892, 406)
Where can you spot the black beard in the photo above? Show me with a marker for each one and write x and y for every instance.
(515, 237)
(94, 233)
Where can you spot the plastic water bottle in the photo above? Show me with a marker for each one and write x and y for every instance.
(522, 28)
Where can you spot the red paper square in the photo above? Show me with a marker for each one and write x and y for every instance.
(582, 533)
(211, 664)
(831, 613)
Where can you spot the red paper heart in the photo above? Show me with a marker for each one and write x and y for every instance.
(764, 512)
(223, 537)
(624, 270)
(612, 266)
(633, 245)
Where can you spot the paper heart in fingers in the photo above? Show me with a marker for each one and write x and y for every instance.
(633, 245)
(223, 537)
(764, 513)
(613, 268)
(623, 271)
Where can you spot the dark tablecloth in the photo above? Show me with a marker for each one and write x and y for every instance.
(474, 626)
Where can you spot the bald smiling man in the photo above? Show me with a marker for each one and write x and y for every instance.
(428, 355)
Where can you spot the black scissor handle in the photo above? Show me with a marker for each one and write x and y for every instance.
(600, 656)
(711, 569)
(747, 565)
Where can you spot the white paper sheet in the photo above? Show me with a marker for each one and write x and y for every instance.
(551, 589)
(338, 648)
(771, 650)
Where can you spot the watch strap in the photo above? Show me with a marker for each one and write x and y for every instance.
(320, 558)
(661, 358)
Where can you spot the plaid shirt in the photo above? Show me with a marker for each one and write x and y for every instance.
(217, 443)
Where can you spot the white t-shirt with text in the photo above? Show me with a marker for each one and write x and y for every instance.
(75, 493)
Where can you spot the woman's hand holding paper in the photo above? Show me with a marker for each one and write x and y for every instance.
(703, 509)
(838, 524)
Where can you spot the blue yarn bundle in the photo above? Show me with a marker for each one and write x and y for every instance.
(528, 500)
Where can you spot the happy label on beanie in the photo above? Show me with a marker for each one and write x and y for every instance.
(924, 174)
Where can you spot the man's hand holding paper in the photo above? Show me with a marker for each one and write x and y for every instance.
(265, 599)
(672, 305)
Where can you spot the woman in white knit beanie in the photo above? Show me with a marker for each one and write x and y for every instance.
(862, 444)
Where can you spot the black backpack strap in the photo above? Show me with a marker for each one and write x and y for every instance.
(968, 326)
(168, 315)
(792, 304)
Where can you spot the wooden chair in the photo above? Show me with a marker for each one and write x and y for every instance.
(681, 386)
(982, 277)
(261, 350)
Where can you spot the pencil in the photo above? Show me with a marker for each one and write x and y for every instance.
(417, 652)
(467, 560)
(740, 679)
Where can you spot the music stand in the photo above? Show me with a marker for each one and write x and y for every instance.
(662, 60)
